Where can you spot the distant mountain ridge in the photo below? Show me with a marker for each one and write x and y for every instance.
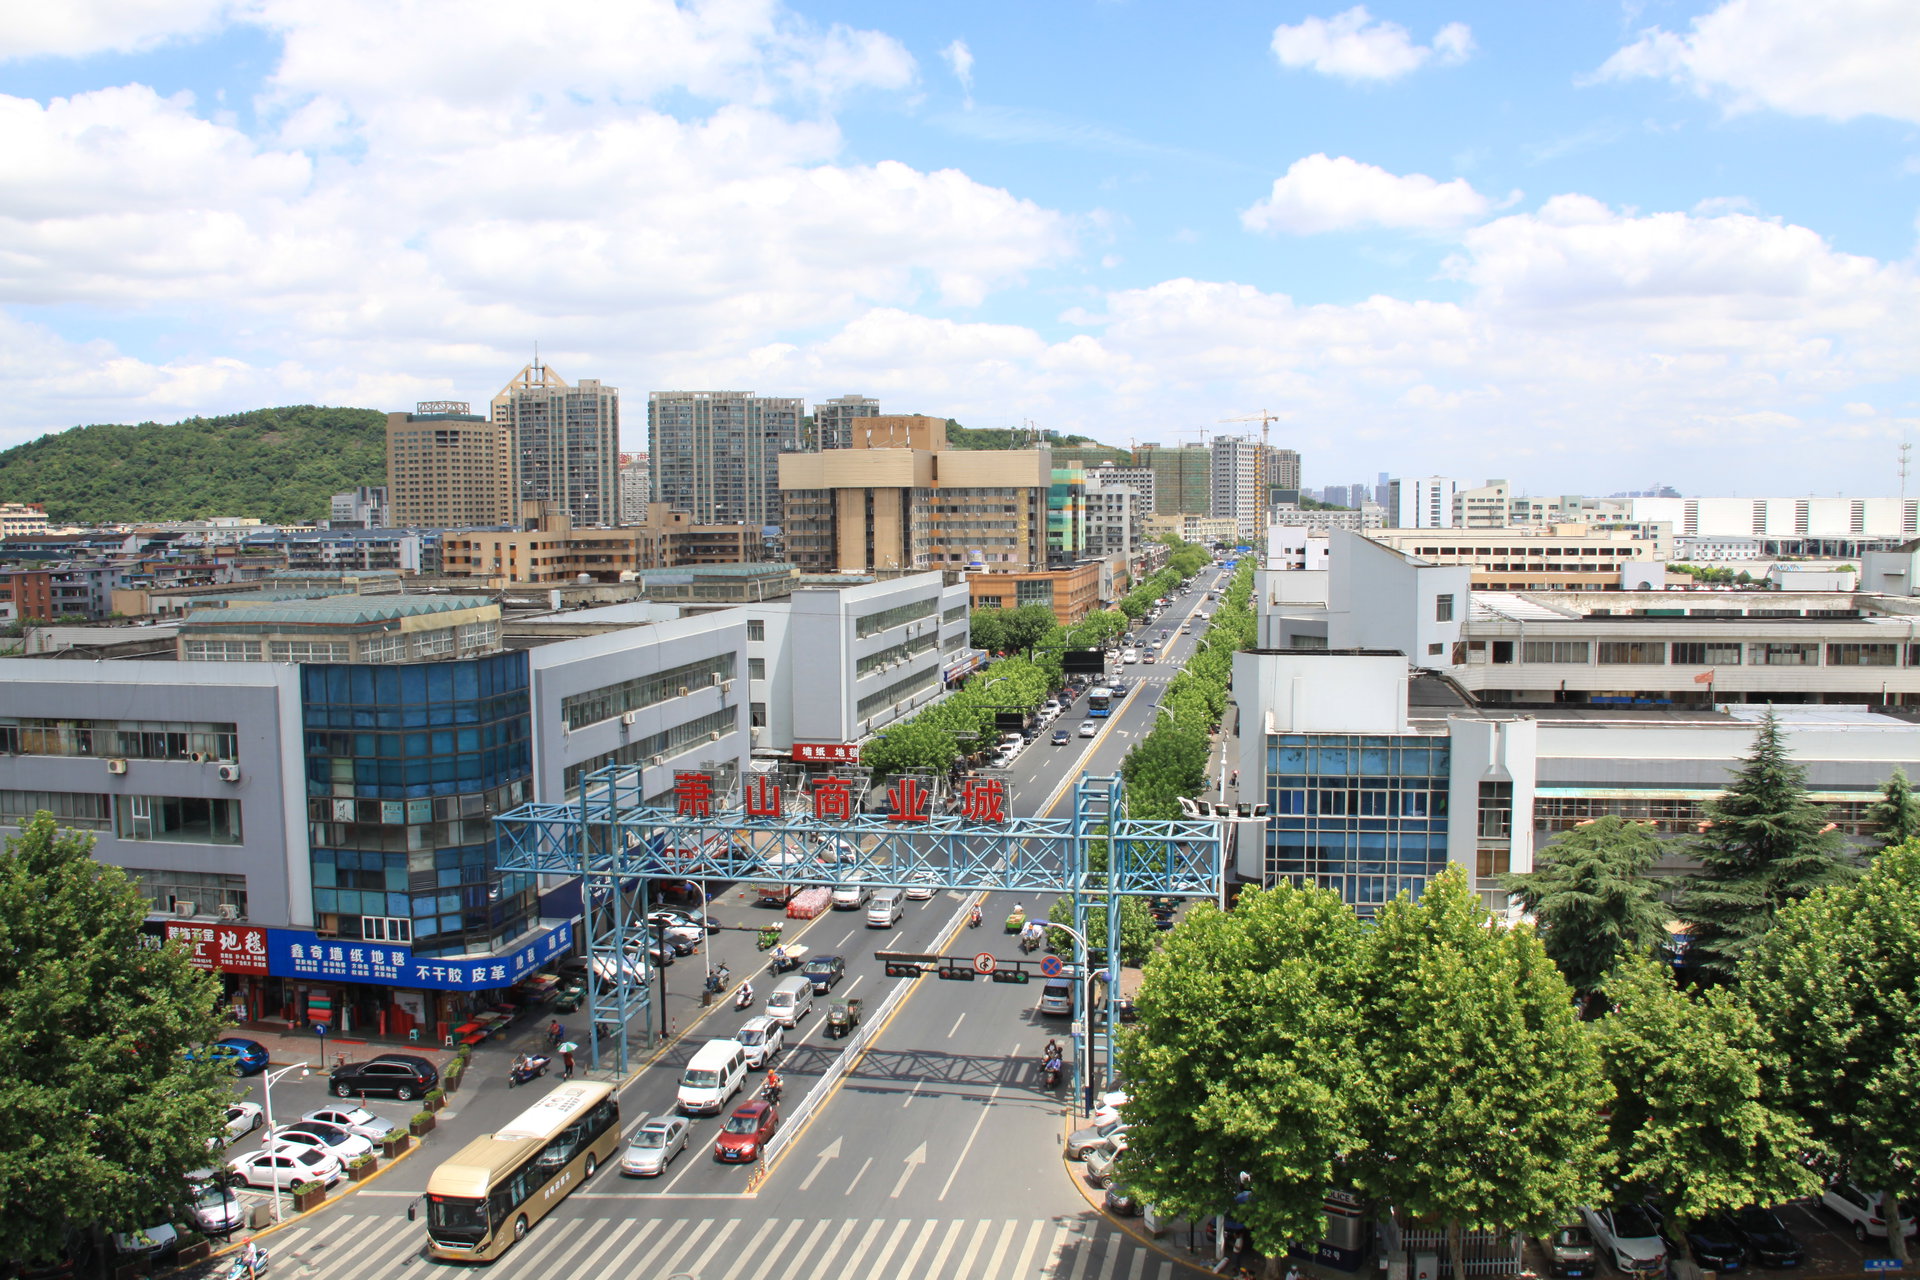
(279, 465)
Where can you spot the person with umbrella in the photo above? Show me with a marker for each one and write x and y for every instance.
(566, 1059)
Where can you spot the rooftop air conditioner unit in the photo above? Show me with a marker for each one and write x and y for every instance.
(726, 687)
(198, 757)
(229, 912)
(684, 691)
(185, 908)
(626, 717)
(229, 773)
(116, 766)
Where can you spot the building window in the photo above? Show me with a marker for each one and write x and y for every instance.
(1435, 650)
(206, 893)
(757, 713)
(1784, 655)
(127, 739)
(595, 705)
(1632, 652)
(1554, 651)
(656, 747)
(756, 629)
(83, 810)
(1706, 653)
(222, 650)
(178, 819)
(1443, 608)
(309, 651)
(899, 615)
(1863, 655)
(756, 668)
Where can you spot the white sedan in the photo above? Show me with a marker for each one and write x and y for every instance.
(330, 1138)
(921, 886)
(284, 1166)
(357, 1120)
(242, 1119)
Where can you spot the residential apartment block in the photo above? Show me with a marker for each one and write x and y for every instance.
(715, 454)
(832, 426)
(566, 443)
(448, 467)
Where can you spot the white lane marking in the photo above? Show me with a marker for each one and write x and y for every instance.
(352, 1254)
(999, 1251)
(829, 1152)
(852, 1265)
(540, 1262)
(836, 1242)
(865, 1165)
(752, 1252)
(893, 1242)
(956, 1026)
(613, 1265)
(1026, 1250)
(911, 1094)
(1085, 1257)
(926, 1234)
(813, 1238)
(844, 941)
(851, 985)
(1139, 1264)
(973, 1248)
(946, 1247)
(1055, 1250)
(686, 1159)
(955, 1172)
(915, 1158)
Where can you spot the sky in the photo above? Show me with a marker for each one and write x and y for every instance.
(1585, 246)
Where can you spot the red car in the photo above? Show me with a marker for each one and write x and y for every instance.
(746, 1132)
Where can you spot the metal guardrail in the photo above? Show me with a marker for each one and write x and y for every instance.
(870, 1025)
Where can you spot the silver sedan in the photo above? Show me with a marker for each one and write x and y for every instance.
(654, 1145)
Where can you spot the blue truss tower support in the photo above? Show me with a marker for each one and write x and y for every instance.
(617, 983)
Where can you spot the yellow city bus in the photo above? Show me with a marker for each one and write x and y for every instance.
(490, 1194)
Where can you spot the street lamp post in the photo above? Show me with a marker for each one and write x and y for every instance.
(1086, 1009)
(267, 1087)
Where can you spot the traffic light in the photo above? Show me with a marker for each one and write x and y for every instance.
(902, 969)
(1010, 975)
(956, 973)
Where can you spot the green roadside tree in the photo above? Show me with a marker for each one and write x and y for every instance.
(101, 1115)
(1897, 812)
(1486, 1087)
(1691, 1116)
(1593, 898)
(1027, 626)
(912, 746)
(1837, 982)
(987, 629)
(1765, 844)
(1243, 1058)
(1137, 934)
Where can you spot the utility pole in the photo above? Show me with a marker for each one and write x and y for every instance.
(1906, 456)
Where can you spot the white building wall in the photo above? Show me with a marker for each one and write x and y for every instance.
(1378, 598)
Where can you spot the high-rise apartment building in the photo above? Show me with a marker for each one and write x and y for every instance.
(636, 487)
(448, 467)
(1425, 503)
(833, 421)
(1182, 478)
(566, 443)
(716, 454)
(899, 499)
(1242, 488)
(1138, 479)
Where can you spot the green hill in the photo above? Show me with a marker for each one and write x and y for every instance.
(280, 465)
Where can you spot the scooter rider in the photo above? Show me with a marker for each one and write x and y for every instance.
(973, 917)
(774, 1085)
(252, 1257)
(745, 999)
(1051, 1053)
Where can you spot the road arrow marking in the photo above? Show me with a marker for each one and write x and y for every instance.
(831, 1152)
(915, 1158)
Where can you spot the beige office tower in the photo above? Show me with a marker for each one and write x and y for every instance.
(896, 499)
(566, 443)
(447, 468)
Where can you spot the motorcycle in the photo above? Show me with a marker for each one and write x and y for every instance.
(973, 920)
(745, 999)
(555, 1034)
(1051, 1071)
(237, 1269)
(771, 1092)
(535, 1067)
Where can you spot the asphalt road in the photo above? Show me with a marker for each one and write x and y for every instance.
(937, 1155)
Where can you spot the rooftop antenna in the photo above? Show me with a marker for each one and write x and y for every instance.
(1906, 457)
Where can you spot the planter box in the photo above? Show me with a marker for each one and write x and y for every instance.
(199, 1251)
(398, 1145)
(305, 1200)
(131, 1270)
(360, 1173)
(420, 1125)
(450, 1083)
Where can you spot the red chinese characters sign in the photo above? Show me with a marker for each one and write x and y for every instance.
(826, 753)
(225, 948)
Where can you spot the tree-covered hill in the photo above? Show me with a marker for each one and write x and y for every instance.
(280, 465)
(959, 437)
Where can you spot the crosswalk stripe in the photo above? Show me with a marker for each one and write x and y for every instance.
(796, 1257)
(886, 1251)
(1139, 1262)
(1056, 1252)
(1082, 1256)
(753, 1253)
(867, 1238)
(1000, 1249)
(659, 1259)
(836, 1241)
(946, 1247)
(711, 1249)
(1020, 1261)
(374, 1244)
(592, 1262)
(913, 1254)
(973, 1248)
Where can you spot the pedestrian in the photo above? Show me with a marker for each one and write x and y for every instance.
(566, 1060)
(1236, 777)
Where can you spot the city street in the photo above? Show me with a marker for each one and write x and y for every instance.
(937, 1155)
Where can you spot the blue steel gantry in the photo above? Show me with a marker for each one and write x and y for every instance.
(616, 841)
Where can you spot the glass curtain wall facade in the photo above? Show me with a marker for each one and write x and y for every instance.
(1363, 816)
(406, 766)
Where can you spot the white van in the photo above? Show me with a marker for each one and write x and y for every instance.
(883, 912)
(713, 1077)
(849, 896)
(790, 1000)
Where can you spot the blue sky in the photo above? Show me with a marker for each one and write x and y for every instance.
(1583, 246)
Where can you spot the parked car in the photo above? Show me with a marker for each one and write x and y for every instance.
(284, 1166)
(343, 1146)
(1061, 737)
(354, 1120)
(1862, 1209)
(1767, 1239)
(1570, 1253)
(1122, 1201)
(691, 919)
(243, 1118)
(152, 1242)
(1101, 1161)
(1715, 1244)
(684, 939)
(1629, 1236)
(404, 1075)
(762, 1038)
(1081, 1141)
(824, 972)
(215, 1209)
(654, 1145)
(744, 1136)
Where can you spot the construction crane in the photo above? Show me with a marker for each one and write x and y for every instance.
(1266, 421)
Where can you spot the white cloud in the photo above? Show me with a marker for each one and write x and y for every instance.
(1321, 193)
(1353, 46)
(960, 59)
(1839, 59)
(77, 28)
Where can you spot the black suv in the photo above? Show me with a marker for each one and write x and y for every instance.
(403, 1075)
